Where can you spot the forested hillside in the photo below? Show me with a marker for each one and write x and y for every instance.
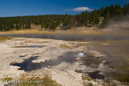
(51, 22)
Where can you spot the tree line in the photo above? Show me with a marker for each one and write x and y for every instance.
(51, 22)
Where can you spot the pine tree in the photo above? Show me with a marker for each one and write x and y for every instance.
(17, 27)
(86, 18)
(106, 13)
(97, 20)
(118, 10)
(112, 11)
(125, 9)
(106, 16)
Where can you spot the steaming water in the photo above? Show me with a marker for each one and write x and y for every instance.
(96, 75)
(69, 57)
(80, 54)
(71, 37)
(32, 46)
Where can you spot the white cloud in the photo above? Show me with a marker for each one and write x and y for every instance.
(82, 9)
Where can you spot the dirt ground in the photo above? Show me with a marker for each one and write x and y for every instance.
(17, 50)
(56, 58)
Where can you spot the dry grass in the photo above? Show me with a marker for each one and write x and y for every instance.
(64, 46)
(74, 30)
(27, 31)
(3, 38)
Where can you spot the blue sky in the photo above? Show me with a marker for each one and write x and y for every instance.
(43, 7)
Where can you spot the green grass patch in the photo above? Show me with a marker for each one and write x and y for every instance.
(120, 76)
(7, 79)
(37, 81)
(86, 78)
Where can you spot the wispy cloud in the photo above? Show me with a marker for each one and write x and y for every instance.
(79, 9)
(67, 9)
(82, 9)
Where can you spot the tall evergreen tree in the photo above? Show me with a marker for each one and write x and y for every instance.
(112, 11)
(106, 16)
(86, 18)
